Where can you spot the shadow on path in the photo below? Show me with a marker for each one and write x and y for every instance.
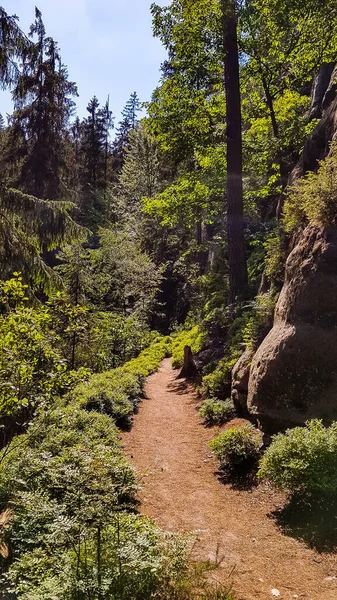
(312, 520)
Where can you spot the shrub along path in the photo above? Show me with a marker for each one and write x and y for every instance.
(181, 492)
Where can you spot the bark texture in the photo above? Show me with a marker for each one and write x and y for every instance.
(234, 193)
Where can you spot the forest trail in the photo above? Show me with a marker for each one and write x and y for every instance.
(181, 492)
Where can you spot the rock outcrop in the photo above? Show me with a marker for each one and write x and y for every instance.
(293, 375)
(323, 89)
(240, 379)
(318, 143)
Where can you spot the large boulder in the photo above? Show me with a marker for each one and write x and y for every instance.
(293, 375)
(240, 379)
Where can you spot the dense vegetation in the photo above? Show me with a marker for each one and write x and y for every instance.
(116, 252)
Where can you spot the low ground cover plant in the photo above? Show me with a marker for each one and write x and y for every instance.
(303, 459)
(236, 448)
(67, 502)
(218, 383)
(191, 337)
(217, 412)
(117, 392)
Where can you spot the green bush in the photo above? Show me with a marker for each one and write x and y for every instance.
(303, 458)
(136, 561)
(117, 392)
(313, 198)
(216, 412)
(67, 491)
(32, 369)
(218, 383)
(260, 319)
(193, 338)
(236, 448)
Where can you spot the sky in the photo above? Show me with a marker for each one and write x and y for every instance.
(107, 46)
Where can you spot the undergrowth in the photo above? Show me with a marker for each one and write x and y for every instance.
(303, 459)
(217, 412)
(246, 331)
(191, 337)
(236, 448)
(67, 497)
(313, 198)
(117, 392)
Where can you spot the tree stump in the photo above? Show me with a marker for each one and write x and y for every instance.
(189, 368)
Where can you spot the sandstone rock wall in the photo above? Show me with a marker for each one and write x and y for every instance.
(293, 375)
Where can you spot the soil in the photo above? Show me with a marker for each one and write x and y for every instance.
(260, 543)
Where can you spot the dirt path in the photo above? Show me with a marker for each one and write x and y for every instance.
(180, 491)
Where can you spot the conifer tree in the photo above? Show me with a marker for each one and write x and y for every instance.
(94, 132)
(140, 173)
(43, 105)
(14, 46)
(125, 126)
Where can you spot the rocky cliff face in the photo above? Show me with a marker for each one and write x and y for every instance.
(293, 375)
(317, 145)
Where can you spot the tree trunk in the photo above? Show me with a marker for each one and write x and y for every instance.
(234, 192)
(189, 368)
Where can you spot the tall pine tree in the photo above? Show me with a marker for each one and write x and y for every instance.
(125, 126)
(43, 105)
(95, 151)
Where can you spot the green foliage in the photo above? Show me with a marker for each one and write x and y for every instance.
(247, 330)
(214, 298)
(286, 41)
(112, 340)
(267, 256)
(217, 384)
(217, 412)
(192, 337)
(123, 277)
(103, 315)
(64, 479)
(14, 46)
(263, 150)
(32, 369)
(140, 172)
(117, 392)
(313, 198)
(70, 530)
(28, 227)
(235, 448)
(72, 458)
(196, 195)
(137, 562)
(259, 319)
(303, 459)
(186, 199)
(275, 258)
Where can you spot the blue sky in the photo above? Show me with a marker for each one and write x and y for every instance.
(106, 44)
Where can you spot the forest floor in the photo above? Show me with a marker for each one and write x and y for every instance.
(258, 541)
